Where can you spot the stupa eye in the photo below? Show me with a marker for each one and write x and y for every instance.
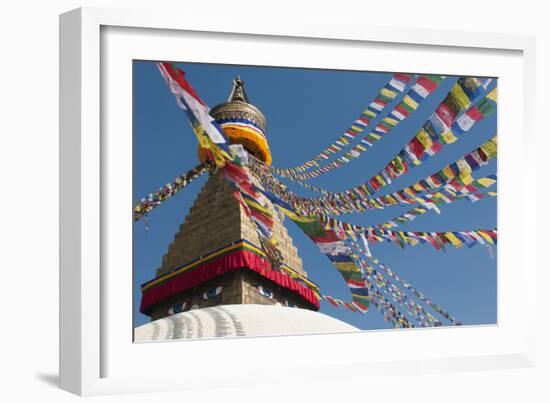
(177, 308)
(212, 293)
(265, 292)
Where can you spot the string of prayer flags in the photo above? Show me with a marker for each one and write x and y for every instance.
(331, 243)
(421, 296)
(388, 310)
(254, 205)
(415, 292)
(339, 303)
(386, 95)
(154, 199)
(424, 299)
(484, 108)
(445, 196)
(376, 297)
(441, 128)
(396, 295)
(460, 96)
(209, 134)
(417, 211)
(368, 276)
(438, 239)
(361, 289)
(414, 309)
(423, 87)
(330, 240)
(454, 178)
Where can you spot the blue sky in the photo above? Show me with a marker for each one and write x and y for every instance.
(306, 110)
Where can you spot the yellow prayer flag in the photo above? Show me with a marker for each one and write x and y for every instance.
(206, 142)
(442, 197)
(466, 178)
(493, 94)
(448, 172)
(451, 191)
(411, 103)
(424, 138)
(388, 93)
(347, 267)
(369, 113)
(301, 218)
(448, 137)
(257, 206)
(412, 241)
(463, 166)
(391, 199)
(486, 237)
(474, 80)
(490, 148)
(459, 96)
(453, 239)
(486, 182)
(391, 121)
(290, 214)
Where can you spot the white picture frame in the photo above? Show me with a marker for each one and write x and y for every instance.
(94, 343)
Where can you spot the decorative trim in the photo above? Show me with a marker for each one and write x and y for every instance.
(231, 258)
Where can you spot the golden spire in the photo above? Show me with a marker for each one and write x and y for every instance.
(238, 93)
(243, 122)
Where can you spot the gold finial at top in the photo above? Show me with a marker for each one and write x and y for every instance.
(238, 106)
(243, 122)
(238, 93)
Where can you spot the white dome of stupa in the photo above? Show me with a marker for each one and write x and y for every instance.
(238, 321)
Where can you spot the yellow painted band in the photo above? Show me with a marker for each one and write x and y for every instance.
(238, 245)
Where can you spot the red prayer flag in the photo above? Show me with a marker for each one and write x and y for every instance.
(402, 110)
(179, 76)
(475, 114)
(427, 83)
(402, 77)
(446, 114)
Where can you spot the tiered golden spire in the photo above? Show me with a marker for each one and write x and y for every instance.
(243, 122)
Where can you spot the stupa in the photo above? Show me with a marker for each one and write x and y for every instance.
(216, 257)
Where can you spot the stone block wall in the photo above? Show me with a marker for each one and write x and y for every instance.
(216, 220)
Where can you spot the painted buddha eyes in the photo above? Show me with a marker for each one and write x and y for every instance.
(177, 308)
(212, 293)
(265, 292)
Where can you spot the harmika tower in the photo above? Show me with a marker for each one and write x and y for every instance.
(216, 258)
